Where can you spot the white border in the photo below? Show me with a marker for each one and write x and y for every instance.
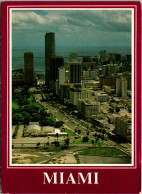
(132, 80)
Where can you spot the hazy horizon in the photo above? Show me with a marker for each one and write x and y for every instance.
(72, 27)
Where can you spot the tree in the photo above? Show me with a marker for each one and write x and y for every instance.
(88, 133)
(59, 124)
(97, 138)
(85, 139)
(103, 131)
(48, 121)
(43, 114)
(111, 110)
(37, 145)
(79, 131)
(117, 109)
(102, 136)
(57, 144)
(57, 135)
(75, 130)
(92, 141)
(17, 117)
(36, 117)
(23, 101)
(47, 144)
(48, 139)
(67, 142)
(43, 122)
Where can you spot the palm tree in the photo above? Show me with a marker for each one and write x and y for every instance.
(57, 135)
(48, 140)
(67, 142)
(37, 145)
(92, 142)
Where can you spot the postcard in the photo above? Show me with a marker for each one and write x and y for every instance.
(71, 97)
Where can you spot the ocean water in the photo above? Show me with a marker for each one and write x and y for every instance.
(39, 54)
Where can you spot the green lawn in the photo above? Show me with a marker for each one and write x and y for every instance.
(102, 151)
(69, 132)
(89, 142)
(80, 142)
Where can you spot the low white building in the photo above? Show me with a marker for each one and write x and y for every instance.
(33, 129)
(43, 131)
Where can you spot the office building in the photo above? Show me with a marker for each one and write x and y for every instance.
(67, 74)
(57, 87)
(88, 108)
(73, 57)
(123, 128)
(87, 59)
(29, 68)
(49, 54)
(90, 74)
(108, 81)
(121, 87)
(61, 76)
(102, 56)
(74, 96)
(64, 91)
(124, 87)
(128, 58)
(102, 97)
(75, 72)
(56, 62)
(114, 57)
(118, 86)
(105, 70)
(111, 69)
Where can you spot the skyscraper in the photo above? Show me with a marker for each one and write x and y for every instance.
(118, 86)
(75, 72)
(28, 68)
(49, 54)
(56, 62)
(124, 88)
(121, 87)
(61, 75)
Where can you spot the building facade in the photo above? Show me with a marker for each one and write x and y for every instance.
(49, 54)
(56, 62)
(29, 68)
(61, 76)
(123, 128)
(75, 72)
(88, 108)
(121, 87)
(64, 91)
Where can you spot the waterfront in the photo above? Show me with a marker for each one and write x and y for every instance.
(39, 54)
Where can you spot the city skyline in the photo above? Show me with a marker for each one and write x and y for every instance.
(72, 27)
(81, 99)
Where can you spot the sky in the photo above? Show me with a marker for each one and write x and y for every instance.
(71, 27)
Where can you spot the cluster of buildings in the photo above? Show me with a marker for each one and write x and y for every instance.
(93, 85)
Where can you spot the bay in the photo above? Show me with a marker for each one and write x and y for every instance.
(39, 54)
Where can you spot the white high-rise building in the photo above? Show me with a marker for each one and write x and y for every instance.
(124, 87)
(121, 87)
(61, 76)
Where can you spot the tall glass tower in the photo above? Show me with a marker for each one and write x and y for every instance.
(29, 68)
(49, 54)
